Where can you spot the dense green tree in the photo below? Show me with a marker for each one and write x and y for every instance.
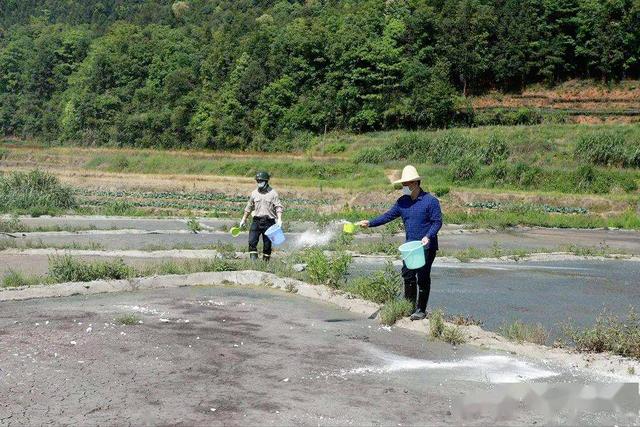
(246, 73)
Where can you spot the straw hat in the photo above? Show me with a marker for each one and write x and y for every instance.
(409, 173)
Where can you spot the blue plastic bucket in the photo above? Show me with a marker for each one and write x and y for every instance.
(413, 254)
(275, 234)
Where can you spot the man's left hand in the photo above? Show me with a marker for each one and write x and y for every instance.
(425, 241)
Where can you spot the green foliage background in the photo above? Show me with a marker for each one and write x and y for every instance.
(239, 74)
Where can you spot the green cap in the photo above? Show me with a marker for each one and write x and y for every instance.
(262, 176)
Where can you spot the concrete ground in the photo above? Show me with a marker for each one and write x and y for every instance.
(232, 356)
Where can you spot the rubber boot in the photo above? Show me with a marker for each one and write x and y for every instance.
(266, 257)
(253, 256)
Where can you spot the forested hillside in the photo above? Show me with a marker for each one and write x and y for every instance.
(240, 74)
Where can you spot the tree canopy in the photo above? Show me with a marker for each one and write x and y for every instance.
(241, 73)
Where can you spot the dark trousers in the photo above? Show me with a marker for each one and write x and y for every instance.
(419, 281)
(259, 225)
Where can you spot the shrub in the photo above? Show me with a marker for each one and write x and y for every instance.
(499, 171)
(496, 149)
(633, 157)
(410, 145)
(520, 332)
(67, 269)
(394, 310)
(380, 287)
(336, 148)
(464, 169)
(601, 148)
(35, 192)
(436, 323)
(524, 175)
(330, 270)
(449, 147)
(609, 334)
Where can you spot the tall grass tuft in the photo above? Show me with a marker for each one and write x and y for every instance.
(394, 310)
(68, 269)
(520, 332)
(35, 193)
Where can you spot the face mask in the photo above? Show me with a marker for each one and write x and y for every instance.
(406, 191)
(262, 185)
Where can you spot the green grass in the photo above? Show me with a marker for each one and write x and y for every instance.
(14, 279)
(436, 324)
(453, 335)
(395, 310)
(438, 329)
(34, 193)
(326, 269)
(380, 287)
(68, 269)
(127, 319)
(522, 332)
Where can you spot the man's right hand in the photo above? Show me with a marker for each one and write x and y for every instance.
(364, 223)
(242, 223)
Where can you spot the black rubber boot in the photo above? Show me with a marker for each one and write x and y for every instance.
(266, 257)
(253, 256)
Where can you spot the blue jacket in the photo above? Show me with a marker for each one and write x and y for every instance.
(421, 217)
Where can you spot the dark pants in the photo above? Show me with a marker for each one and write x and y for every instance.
(420, 279)
(259, 225)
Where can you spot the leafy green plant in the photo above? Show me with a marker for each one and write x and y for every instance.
(194, 225)
(464, 169)
(323, 269)
(380, 287)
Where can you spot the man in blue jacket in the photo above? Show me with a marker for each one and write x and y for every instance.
(422, 218)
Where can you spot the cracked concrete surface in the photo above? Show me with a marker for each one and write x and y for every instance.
(239, 356)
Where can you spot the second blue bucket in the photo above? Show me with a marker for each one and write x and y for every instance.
(275, 234)
(413, 254)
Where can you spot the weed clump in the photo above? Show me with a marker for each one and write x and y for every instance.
(68, 269)
(35, 193)
(453, 335)
(127, 319)
(15, 279)
(609, 334)
(330, 270)
(436, 324)
(380, 287)
(520, 332)
(394, 310)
